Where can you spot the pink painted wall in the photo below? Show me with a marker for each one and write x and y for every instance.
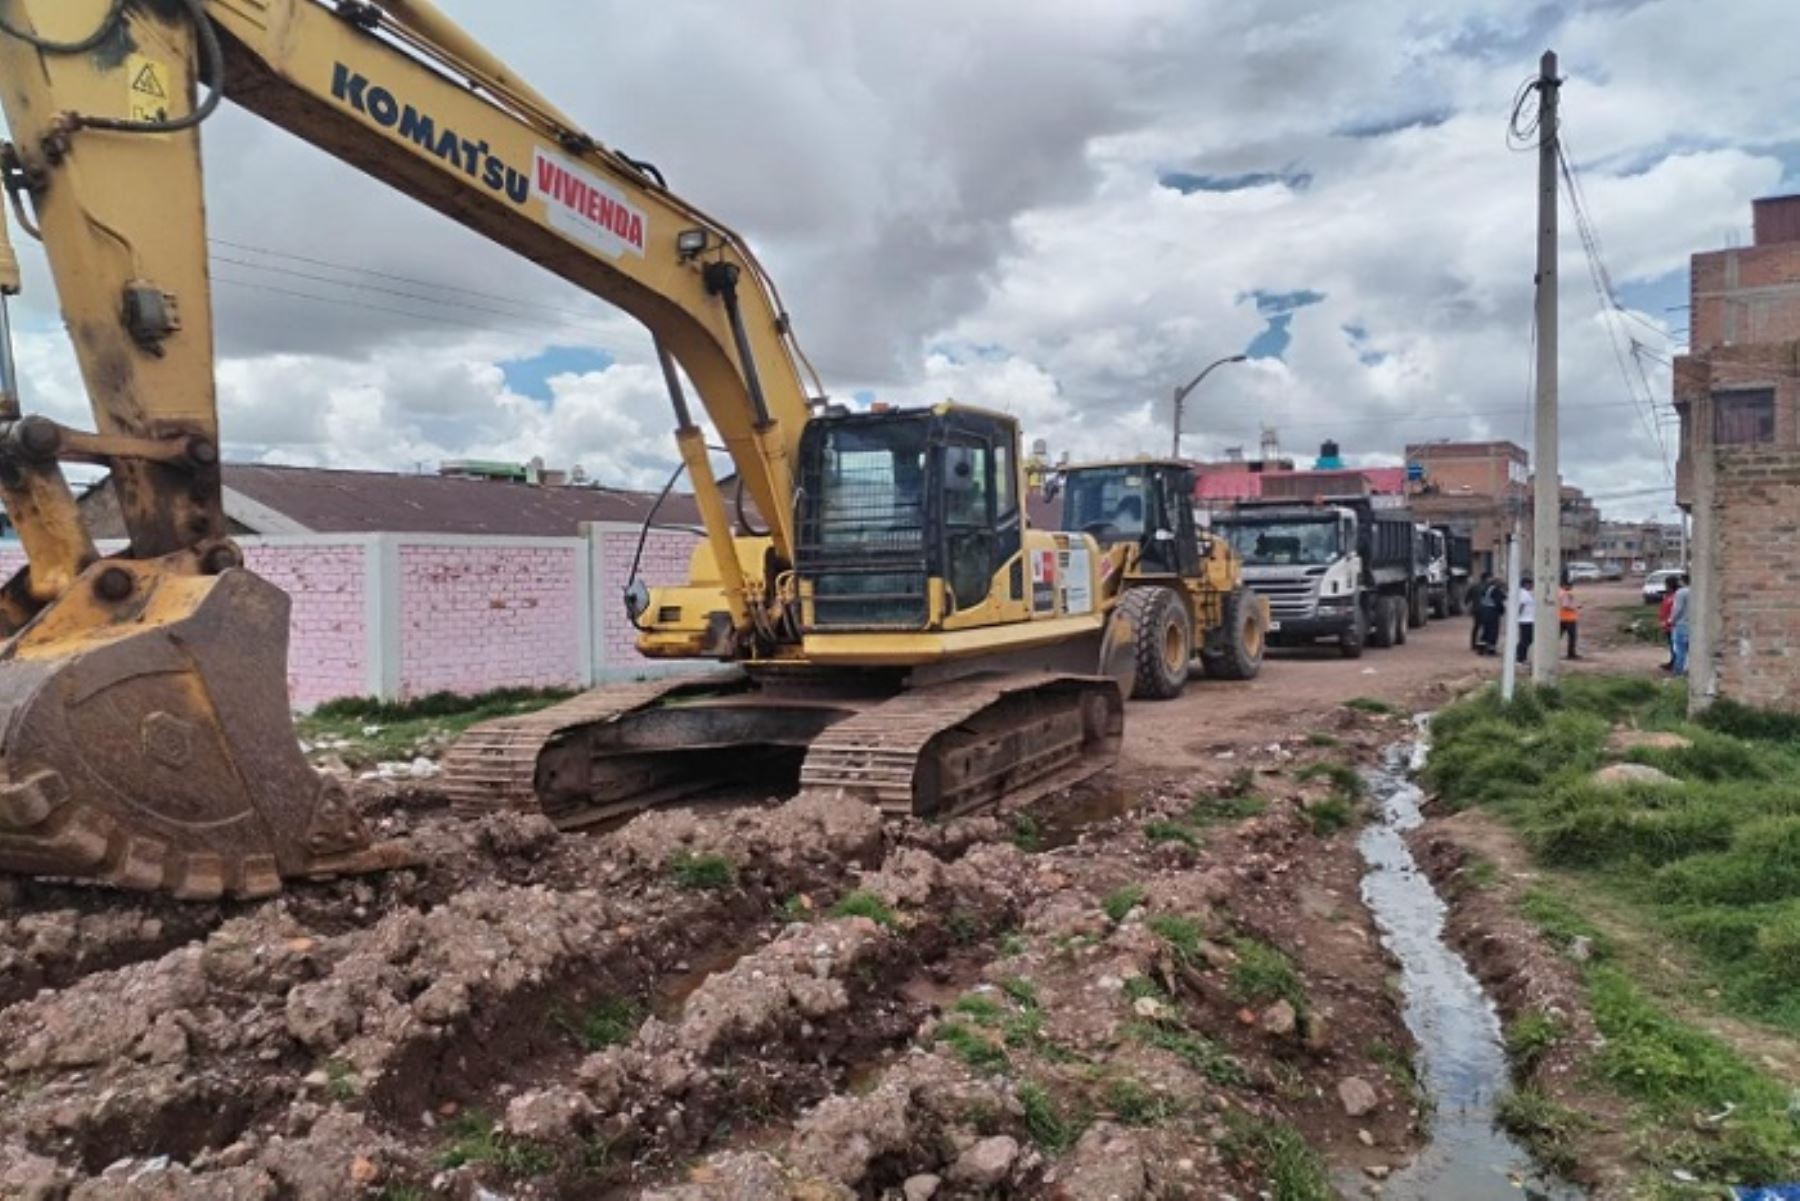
(481, 616)
(665, 561)
(328, 624)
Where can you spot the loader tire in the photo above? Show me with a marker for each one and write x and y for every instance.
(1352, 640)
(1381, 623)
(1235, 650)
(1163, 639)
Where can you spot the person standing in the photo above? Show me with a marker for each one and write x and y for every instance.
(1664, 610)
(1493, 612)
(1568, 613)
(1477, 606)
(1527, 619)
(1678, 629)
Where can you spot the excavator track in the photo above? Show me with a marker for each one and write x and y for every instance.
(511, 762)
(950, 748)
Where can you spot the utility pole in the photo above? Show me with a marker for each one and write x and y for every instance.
(1509, 642)
(1547, 496)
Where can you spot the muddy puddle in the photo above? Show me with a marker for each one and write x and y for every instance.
(1462, 1062)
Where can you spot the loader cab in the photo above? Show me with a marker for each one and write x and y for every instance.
(1149, 503)
(891, 500)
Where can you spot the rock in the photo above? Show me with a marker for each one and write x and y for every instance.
(1279, 1019)
(1365, 1138)
(363, 1170)
(1358, 1096)
(1378, 1171)
(549, 1115)
(986, 1164)
(921, 1188)
(1318, 1032)
(1106, 1165)
(1581, 948)
(1656, 740)
(1621, 775)
(1148, 1007)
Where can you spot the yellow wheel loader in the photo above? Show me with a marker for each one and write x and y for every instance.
(1184, 594)
(895, 631)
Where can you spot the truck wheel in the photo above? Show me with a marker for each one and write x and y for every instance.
(1415, 609)
(1163, 642)
(1402, 618)
(1350, 642)
(1454, 602)
(1380, 620)
(1235, 650)
(1440, 607)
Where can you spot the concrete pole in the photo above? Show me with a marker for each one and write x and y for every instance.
(1509, 644)
(1547, 497)
(1703, 591)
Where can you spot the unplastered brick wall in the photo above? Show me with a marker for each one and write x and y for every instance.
(488, 614)
(1758, 519)
(665, 562)
(328, 631)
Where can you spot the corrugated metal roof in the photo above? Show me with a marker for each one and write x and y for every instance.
(358, 502)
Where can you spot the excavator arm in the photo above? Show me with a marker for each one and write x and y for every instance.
(142, 714)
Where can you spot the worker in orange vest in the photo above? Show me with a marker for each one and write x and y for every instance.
(1568, 613)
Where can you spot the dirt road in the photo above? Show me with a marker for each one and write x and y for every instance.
(1145, 987)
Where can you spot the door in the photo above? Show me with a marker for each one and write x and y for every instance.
(971, 536)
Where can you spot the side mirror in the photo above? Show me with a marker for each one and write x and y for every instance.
(637, 599)
(1164, 535)
(1052, 486)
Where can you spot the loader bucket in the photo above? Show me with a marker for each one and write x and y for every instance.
(146, 742)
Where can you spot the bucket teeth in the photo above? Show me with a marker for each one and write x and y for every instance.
(147, 744)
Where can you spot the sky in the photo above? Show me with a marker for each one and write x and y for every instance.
(1058, 208)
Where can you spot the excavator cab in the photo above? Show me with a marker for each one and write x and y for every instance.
(891, 501)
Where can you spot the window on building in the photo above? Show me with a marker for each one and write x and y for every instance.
(1744, 417)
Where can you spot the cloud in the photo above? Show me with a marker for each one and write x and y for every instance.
(1049, 206)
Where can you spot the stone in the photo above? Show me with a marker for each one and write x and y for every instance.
(1622, 775)
(921, 1188)
(1378, 1171)
(1357, 1095)
(1365, 1138)
(1106, 1165)
(1279, 1019)
(1581, 948)
(1318, 1032)
(985, 1164)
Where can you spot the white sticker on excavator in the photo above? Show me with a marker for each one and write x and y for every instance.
(1077, 581)
(587, 208)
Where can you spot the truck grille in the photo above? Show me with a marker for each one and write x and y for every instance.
(1288, 598)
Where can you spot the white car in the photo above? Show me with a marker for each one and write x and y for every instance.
(1584, 573)
(1654, 585)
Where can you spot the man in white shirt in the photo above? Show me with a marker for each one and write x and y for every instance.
(1527, 619)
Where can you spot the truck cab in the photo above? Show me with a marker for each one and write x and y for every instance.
(1307, 561)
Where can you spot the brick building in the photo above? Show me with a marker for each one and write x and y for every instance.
(1737, 392)
(1475, 488)
(1630, 543)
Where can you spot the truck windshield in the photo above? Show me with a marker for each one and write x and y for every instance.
(1107, 502)
(1284, 544)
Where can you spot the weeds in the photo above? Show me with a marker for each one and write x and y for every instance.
(1290, 1168)
(1369, 704)
(1027, 834)
(1021, 990)
(607, 1024)
(372, 731)
(964, 927)
(1121, 901)
(797, 908)
(1322, 740)
(984, 1010)
(1219, 811)
(864, 904)
(1134, 1105)
(1167, 831)
(474, 1139)
(1013, 944)
(1346, 782)
(701, 873)
(1050, 1126)
(1328, 816)
(1530, 1036)
(1199, 1053)
(1262, 973)
(973, 1048)
(1183, 934)
(340, 1080)
(1547, 1128)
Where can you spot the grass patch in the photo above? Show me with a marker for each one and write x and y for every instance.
(1263, 974)
(973, 1047)
(1319, 738)
(1530, 1036)
(985, 1011)
(1198, 1052)
(340, 1080)
(606, 1024)
(1546, 1128)
(1021, 991)
(374, 731)
(474, 1139)
(1346, 782)
(1291, 1169)
(1166, 831)
(864, 904)
(1183, 935)
(1050, 1125)
(1219, 811)
(1369, 704)
(1134, 1105)
(1331, 815)
(1141, 987)
(1027, 833)
(1013, 944)
(1121, 901)
(701, 873)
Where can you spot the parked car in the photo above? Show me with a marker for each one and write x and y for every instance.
(1584, 573)
(1654, 584)
(1612, 571)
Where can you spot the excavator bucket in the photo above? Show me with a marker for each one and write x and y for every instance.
(145, 742)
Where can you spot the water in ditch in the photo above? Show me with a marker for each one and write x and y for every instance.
(1462, 1062)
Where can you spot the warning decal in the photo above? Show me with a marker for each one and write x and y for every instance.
(150, 88)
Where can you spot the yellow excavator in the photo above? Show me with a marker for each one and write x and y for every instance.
(893, 629)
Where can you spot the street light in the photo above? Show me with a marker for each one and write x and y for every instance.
(1181, 395)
